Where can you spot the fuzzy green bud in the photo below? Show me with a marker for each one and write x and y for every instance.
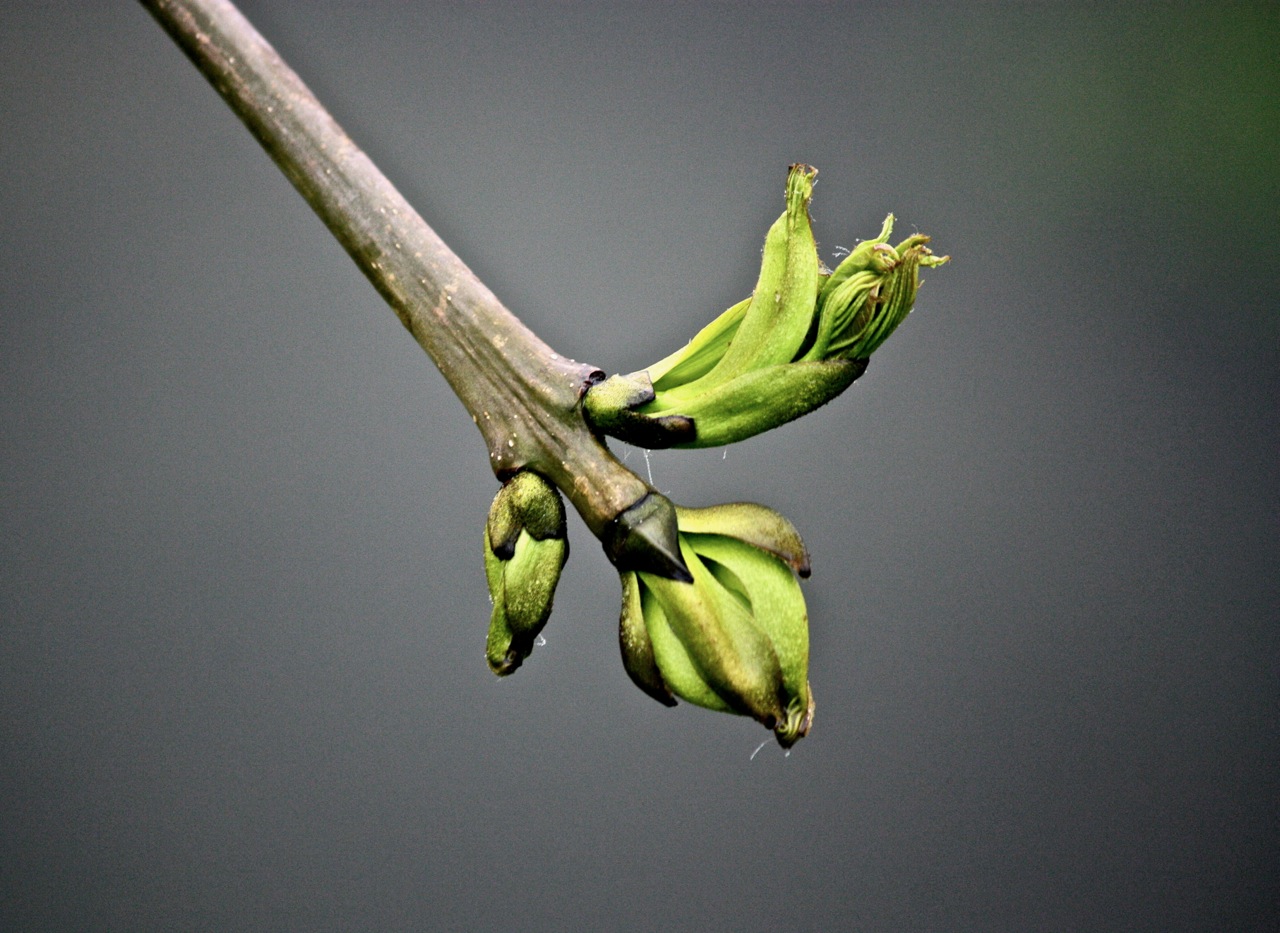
(800, 340)
(525, 548)
(868, 295)
(736, 637)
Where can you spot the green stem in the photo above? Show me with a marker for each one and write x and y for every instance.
(524, 398)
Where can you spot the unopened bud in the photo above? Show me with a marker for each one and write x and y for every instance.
(525, 549)
(735, 638)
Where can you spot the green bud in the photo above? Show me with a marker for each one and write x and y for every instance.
(735, 638)
(800, 340)
(525, 548)
(869, 294)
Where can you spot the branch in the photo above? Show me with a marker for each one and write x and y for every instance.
(712, 612)
(524, 398)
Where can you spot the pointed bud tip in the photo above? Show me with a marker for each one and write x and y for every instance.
(644, 537)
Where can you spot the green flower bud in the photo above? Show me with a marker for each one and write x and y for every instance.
(524, 550)
(868, 295)
(799, 341)
(736, 638)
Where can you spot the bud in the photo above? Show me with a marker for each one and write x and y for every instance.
(525, 548)
(868, 295)
(736, 638)
(799, 341)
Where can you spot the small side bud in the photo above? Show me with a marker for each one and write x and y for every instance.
(525, 549)
(612, 407)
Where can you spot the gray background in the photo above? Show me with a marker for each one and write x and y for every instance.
(241, 601)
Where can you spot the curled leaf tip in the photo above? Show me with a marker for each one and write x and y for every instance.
(795, 723)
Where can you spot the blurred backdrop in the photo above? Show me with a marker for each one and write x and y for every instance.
(242, 609)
